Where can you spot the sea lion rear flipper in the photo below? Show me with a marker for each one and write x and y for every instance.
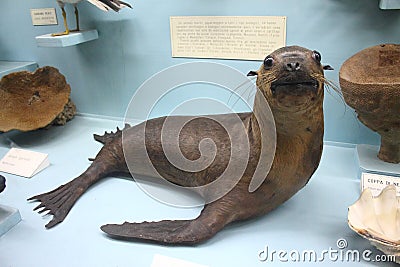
(170, 232)
(57, 202)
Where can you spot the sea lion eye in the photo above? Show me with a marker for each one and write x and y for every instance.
(268, 62)
(317, 56)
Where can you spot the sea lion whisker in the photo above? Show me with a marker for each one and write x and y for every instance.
(248, 89)
(332, 85)
(329, 85)
(240, 96)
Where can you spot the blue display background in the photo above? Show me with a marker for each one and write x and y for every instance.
(135, 44)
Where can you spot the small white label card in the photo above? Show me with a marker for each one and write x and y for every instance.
(377, 182)
(23, 162)
(164, 261)
(44, 16)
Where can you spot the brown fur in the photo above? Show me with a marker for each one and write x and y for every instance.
(297, 108)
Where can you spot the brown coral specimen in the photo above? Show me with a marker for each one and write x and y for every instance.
(66, 115)
(30, 101)
(370, 81)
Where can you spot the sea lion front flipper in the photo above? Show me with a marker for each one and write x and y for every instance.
(160, 232)
(188, 232)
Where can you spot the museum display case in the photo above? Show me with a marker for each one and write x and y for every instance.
(287, 183)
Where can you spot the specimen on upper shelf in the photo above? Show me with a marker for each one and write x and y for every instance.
(290, 82)
(370, 82)
(2, 183)
(377, 219)
(105, 5)
(29, 101)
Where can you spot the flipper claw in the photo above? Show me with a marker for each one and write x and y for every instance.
(41, 205)
(57, 202)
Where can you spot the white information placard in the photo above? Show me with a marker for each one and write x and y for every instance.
(23, 162)
(44, 16)
(227, 37)
(377, 182)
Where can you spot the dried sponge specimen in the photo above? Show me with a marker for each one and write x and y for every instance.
(30, 101)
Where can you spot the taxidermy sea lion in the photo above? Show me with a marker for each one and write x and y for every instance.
(291, 80)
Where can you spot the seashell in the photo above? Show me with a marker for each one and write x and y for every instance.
(378, 220)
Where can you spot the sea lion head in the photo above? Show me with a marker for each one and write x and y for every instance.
(291, 78)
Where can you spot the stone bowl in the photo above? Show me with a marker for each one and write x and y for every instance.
(370, 83)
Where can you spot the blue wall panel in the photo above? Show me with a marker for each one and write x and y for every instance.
(135, 44)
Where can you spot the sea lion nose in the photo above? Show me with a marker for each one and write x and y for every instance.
(293, 66)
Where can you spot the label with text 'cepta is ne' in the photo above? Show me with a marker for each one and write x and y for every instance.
(377, 182)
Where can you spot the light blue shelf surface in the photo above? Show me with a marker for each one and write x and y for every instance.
(74, 38)
(314, 219)
(389, 4)
(9, 217)
(7, 67)
(369, 162)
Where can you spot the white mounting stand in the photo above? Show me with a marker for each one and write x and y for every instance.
(73, 38)
(9, 217)
(369, 162)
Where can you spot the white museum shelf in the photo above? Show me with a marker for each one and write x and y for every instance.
(314, 219)
(7, 67)
(74, 38)
(389, 4)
